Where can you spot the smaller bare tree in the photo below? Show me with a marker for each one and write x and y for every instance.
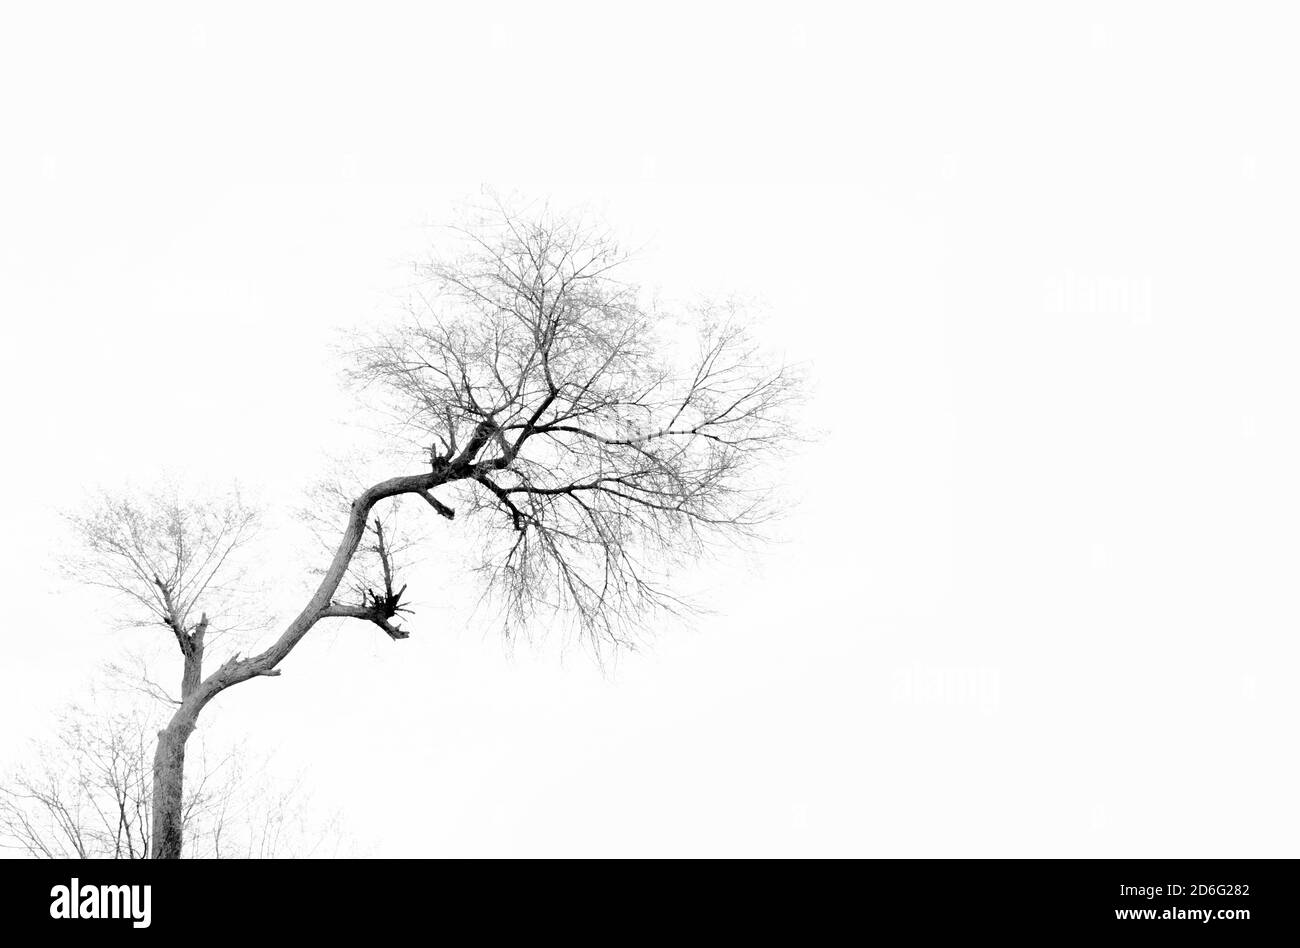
(88, 795)
(178, 562)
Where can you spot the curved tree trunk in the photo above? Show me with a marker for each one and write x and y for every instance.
(196, 691)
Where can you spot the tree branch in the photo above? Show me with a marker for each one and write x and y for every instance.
(442, 509)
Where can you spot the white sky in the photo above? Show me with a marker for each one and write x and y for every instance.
(1037, 597)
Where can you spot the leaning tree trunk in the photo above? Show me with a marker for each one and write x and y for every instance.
(196, 691)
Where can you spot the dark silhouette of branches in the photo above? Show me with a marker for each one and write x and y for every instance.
(603, 445)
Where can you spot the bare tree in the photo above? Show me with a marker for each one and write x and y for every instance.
(594, 440)
(171, 557)
(87, 795)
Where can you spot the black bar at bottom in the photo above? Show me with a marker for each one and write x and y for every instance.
(800, 900)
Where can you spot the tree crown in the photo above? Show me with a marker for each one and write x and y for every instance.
(597, 439)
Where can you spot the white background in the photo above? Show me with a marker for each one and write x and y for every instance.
(1036, 594)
